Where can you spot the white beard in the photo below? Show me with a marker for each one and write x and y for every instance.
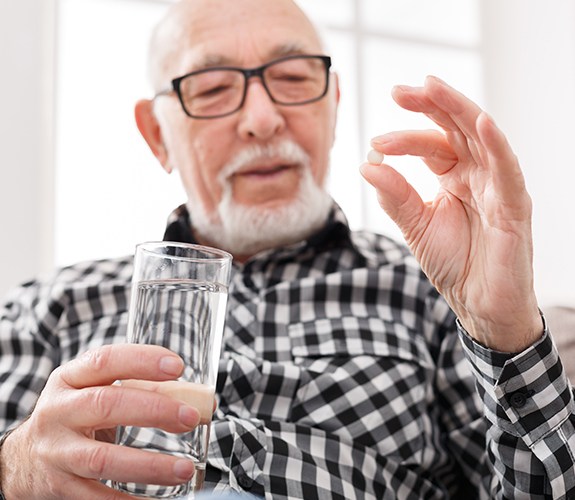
(246, 230)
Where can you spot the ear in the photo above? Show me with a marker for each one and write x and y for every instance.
(336, 96)
(151, 131)
(335, 83)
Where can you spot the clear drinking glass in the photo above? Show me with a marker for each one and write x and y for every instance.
(179, 296)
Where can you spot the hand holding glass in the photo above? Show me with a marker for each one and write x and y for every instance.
(179, 296)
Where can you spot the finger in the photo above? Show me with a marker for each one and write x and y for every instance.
(416, 99)
(468, 149)
(95, 460)
(396, 196)
(451, 110)
(508, 179)
(109, 406)
(109, 363)
(462, 111)
(430, 145)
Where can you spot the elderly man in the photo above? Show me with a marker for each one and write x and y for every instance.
(343, 373)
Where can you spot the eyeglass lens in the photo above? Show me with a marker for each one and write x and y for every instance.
(220, 91)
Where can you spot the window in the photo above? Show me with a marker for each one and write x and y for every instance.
(377, 44)
(112, 194)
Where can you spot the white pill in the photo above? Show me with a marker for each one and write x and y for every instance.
(375, 157)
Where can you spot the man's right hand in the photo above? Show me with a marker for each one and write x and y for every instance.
(54, 454)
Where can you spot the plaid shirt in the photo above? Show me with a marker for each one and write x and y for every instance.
(342, 376)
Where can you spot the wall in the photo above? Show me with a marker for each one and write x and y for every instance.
(529, 50)
(26, 205)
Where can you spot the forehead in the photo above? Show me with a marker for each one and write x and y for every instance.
(238, 32)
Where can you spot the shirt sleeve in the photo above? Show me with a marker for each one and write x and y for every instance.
(48, 321)
(528, 403)
(26, 351)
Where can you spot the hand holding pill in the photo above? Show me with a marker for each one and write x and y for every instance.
(462, 238)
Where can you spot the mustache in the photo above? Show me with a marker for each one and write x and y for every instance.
(285, 151)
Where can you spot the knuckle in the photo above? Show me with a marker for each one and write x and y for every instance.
(56, 379)
(55, 487)
(102, 401)
(158, 408)
(42, 421)
(100, 358)
(96, 461)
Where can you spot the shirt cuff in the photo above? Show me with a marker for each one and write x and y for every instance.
(526, 394)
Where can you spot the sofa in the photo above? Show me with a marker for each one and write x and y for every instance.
(561, 322)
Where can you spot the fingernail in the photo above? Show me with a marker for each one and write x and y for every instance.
(189, 416)
(401, 88)
(171, 365)
(486, 116)
(433, 78)
(382, 139)
(184, 469)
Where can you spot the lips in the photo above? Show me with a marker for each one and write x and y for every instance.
(266, 170)
(265, 181)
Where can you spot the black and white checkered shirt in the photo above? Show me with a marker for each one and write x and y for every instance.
(343, 376)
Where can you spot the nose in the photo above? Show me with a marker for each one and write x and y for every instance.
(260, 117)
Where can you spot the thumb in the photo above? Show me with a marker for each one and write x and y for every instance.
(395, 195)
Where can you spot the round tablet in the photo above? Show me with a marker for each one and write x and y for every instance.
(375, 157)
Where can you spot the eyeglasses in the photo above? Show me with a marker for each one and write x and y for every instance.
(221, 91)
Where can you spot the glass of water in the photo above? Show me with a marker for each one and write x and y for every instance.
(179, 296)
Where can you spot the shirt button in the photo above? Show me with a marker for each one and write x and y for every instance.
(245, 481)
(518, 400)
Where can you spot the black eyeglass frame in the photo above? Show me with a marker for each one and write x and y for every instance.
(249, 73)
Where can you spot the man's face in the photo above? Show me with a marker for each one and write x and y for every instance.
(245, 33)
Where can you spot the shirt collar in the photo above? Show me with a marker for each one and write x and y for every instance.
(334, 234)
